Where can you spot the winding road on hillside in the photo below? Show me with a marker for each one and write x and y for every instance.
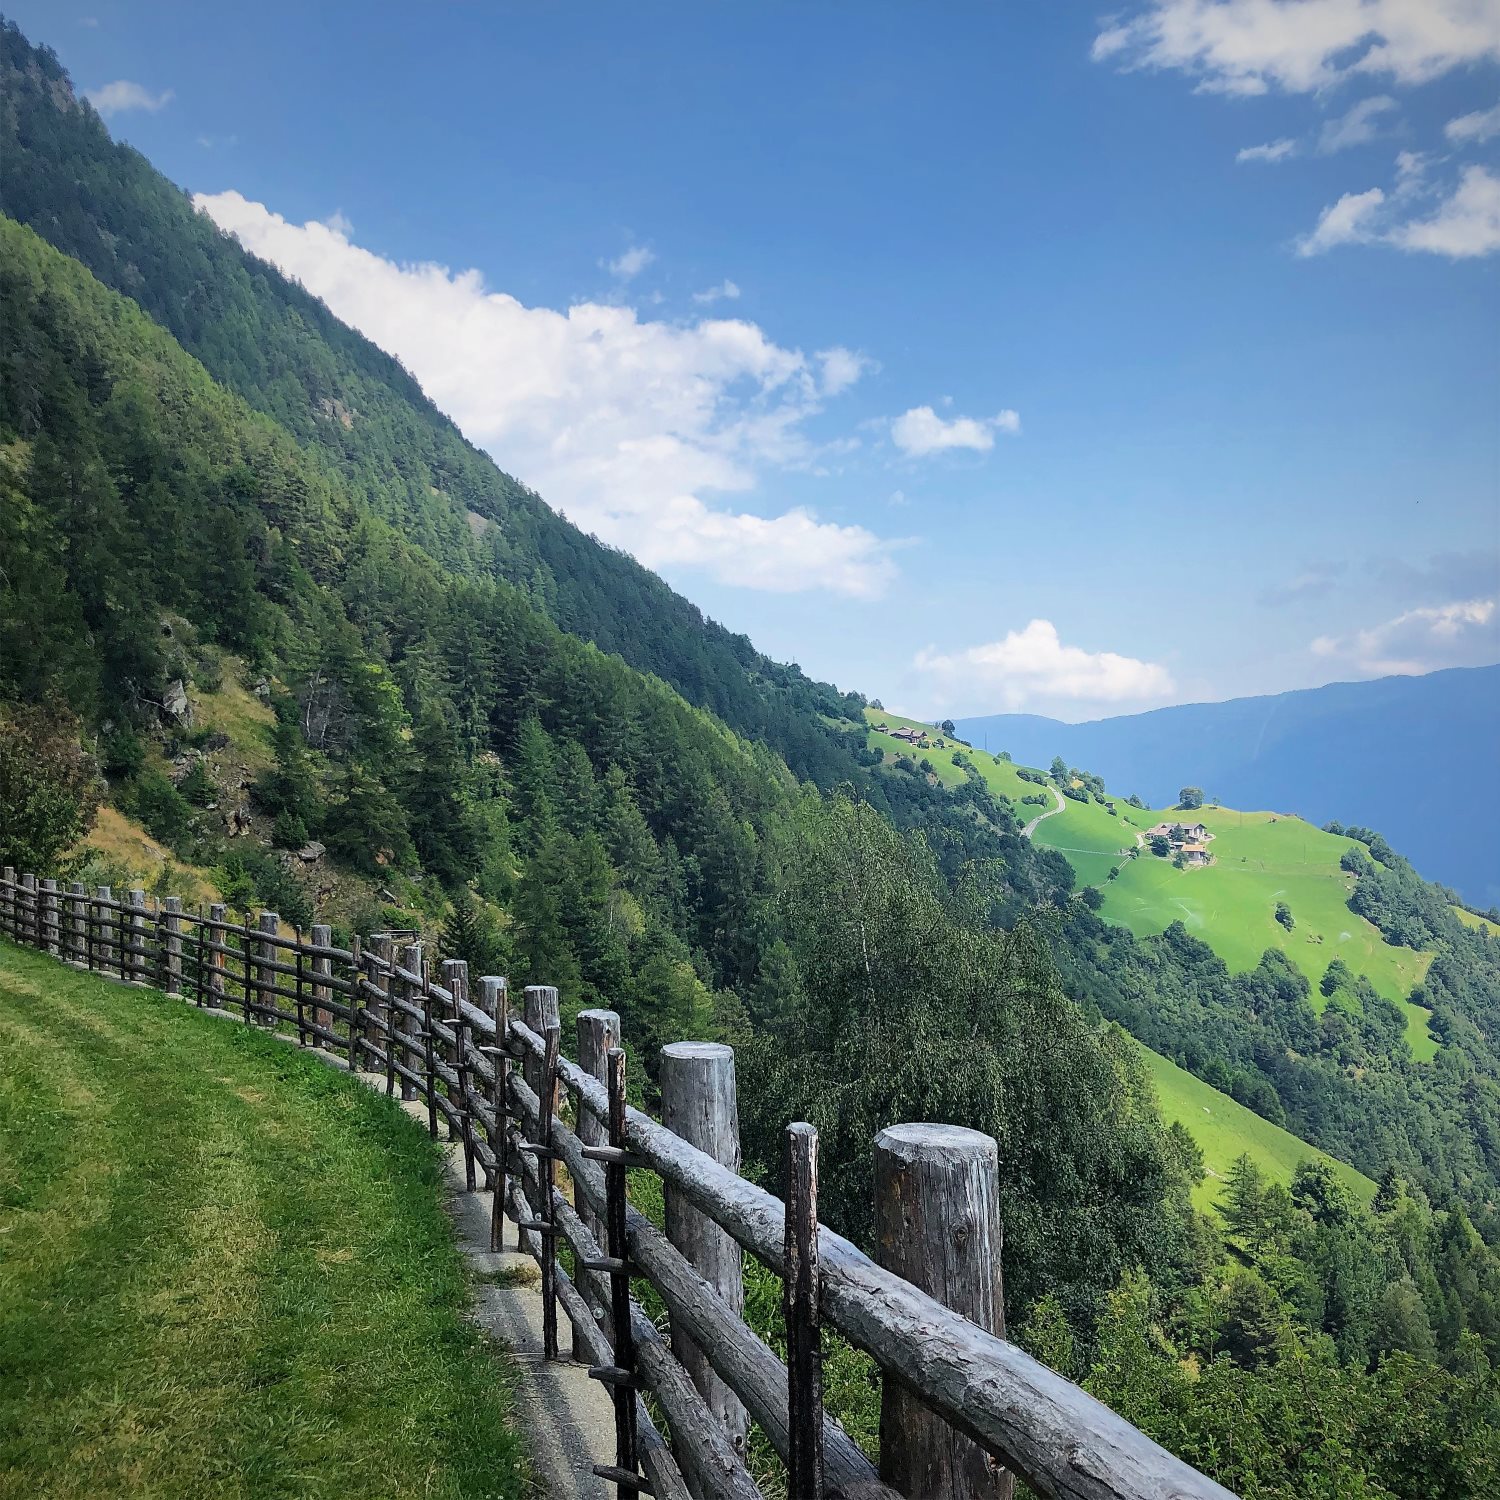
(1030, 828)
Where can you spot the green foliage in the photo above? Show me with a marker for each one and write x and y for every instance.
(197, 787)
(48, 792)
(1284, 915)
(1190, 797)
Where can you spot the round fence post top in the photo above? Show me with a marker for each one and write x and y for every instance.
(697, 1051)
(598, 1013)
(924, 1138)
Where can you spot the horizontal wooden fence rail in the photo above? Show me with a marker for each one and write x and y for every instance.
(964, 1412)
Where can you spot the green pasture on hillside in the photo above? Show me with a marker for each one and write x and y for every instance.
(1225, 1130)
(1260, 858)
(225, 1269)
(1474, 920)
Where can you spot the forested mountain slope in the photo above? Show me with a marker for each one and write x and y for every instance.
(265, 338)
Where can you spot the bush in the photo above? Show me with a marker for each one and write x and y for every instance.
(166, 813)
(48, 792)
(198, 786)
(1284, 915)
(288, 831)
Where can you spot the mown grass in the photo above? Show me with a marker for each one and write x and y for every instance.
(1225, 1130)
(224, 1269)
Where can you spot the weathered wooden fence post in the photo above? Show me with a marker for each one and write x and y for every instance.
(937, 1224)
(51, 921)
(218, 939)
(699, 1103)
(799, 1307)
(135, 938)
(380, 1014)
(540, 1013)
(495, 992)
(172, 945)
(321, 936)
(410, 1027)
(268, 922)
(456, 982)
(105, 955)
(30, 922)
(598, 1031)
(8, 902)
(78, 924)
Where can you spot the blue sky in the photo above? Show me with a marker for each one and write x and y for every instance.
(980, 357)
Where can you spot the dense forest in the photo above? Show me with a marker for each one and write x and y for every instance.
(566, 773)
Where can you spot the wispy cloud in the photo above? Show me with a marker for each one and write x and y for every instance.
(921, 431)
(1483, 125)
(1458, 634)
(1358, 127)
(636, 428)
(726, 291)
(1033, 665)
(631, 263)
(1272, 151)
(1301, 46)
(122, 95)
(1350, 221)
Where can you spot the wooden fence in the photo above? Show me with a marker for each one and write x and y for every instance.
(963, 1410)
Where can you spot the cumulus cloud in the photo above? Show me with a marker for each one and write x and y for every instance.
(631, 263)
(1482, 125)
(839, 368)
(726, 291)
(1350, 221)
(1460, 634)
(1032, 665)
(1359, 126)
(1465, 224)
(1253, 46)
(1272, 151)
(120, 96)
(921, 431)
(630, 426)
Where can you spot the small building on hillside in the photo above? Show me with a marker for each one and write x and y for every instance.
(1195, 854)
(1180, 833)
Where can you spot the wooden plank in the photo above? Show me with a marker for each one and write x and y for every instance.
(799, 1307)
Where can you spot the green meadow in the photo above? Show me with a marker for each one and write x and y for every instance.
(1474, 920)
(1225, 1130)
(1260, 859)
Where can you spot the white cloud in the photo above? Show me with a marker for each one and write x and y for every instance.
(630, 265)
(122, 95)
(1033, 665)
(921, 431)
(624, 423)
(1252, 46)
(1272, 151)
(1358, 127)
(726, 291)
(1482, 125)
(840, 368)
(1463, 633)
(1465, 225)
(1347, 222)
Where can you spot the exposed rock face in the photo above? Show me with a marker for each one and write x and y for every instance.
(311, 852)
(237, 821)
(175, 705)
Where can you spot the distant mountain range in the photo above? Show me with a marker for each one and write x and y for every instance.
(1417, 758)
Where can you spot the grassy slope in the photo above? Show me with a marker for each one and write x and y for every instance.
(1225, 1130)
(224, 1269)
(1474, 920)
(1260, 859)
